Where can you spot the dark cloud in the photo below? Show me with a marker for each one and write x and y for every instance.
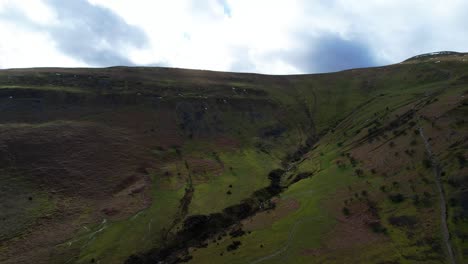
(87, 32)
(330, 52)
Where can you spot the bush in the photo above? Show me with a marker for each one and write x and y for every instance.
(453, 202)
(237, 233)
(275, 175)
(235, 245)
(359, 172)
(346, 211)
(461, 160)
(396, 198)
(416, 200)
(403, 221)
(427, 163)
(377, 227)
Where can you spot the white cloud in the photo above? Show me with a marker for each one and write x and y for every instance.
(20, 48)
(275, 36)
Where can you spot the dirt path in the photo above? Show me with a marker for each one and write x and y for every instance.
(443, 204)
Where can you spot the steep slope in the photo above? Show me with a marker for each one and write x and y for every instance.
(141, 165)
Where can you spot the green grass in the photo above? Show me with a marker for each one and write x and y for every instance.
(307, 226)
(136, 234)
(22, 205)
(249, 172)
(46, 88)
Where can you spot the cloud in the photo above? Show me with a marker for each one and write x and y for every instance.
(94, 34)
(86, 32)
(242, 61)
(329, 52)
(275, 37)
(226, 8)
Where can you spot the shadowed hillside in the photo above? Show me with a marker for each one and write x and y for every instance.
(158, 165)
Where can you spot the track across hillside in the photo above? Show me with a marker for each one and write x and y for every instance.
(443, 204)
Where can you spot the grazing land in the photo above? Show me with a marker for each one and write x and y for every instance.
(158, 165)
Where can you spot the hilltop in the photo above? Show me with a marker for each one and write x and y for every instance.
(143, 165)
(445, 55)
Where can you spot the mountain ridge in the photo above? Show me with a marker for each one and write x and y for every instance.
(142, 67)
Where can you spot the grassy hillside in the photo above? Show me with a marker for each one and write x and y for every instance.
(141, 165)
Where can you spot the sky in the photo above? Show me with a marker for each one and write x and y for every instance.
(262, 36)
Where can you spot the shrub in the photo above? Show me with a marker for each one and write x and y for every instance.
(359, 172)
(461, 160)
(377, 227)
(373, 209)
(416, 199)
(237, 233)
(453, 202)
(403, 221)
(235, 245)
(346, 211)
(396, 198)
(427, 163)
